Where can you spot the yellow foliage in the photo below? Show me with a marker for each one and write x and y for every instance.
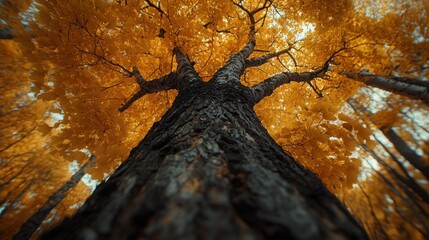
(385, 118)
(53, 80)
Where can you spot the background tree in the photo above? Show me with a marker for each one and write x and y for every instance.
(81, 54)
(30, 169)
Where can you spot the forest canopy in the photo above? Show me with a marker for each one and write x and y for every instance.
(66, 67)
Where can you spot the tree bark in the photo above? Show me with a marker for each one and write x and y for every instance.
(407, 179)
(209, 170)
(34, 222)
(409, 154)
(13, 203)
(407, 87)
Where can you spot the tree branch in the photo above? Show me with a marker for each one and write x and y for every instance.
(251, 15)
(169, 81)
(184, 75)
(267, 87)
(102, 58)
(185, 69)
(159, 9)
(407, 87)
(234, 67)
(255, 62)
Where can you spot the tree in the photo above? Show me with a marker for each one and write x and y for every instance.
(27, 161)
(34, 222)
(209, 162)
(406, 151)
(83, 53)
(402, 198)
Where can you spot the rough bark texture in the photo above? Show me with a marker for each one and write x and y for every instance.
(267, 87)
(210, 170)
(34, 222)
(407, 87)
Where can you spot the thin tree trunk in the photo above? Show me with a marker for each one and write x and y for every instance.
(400, 180)
(12, 204)
(374, 216)
(408, 179)
(210, 170)
(411, 207)
(33, 223)
(402, 147)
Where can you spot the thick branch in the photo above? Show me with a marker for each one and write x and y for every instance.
(267, 87)
(412, 81)
(246, 51)
(236, 64)
(234, 67)
(409, 154)
(184, 75)
(185, 69)
(401, 86)
(166, 82)
(139, 78)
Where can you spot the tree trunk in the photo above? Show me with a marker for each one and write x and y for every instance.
(400, 145)
(409, 154)
(407, 179)
(10, 206)
(209, 170)
(34, 222)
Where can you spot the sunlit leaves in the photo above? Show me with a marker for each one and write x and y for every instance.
(74, 57)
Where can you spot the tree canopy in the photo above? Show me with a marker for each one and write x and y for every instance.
(67, 67)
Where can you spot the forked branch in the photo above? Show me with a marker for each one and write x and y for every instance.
(251, 14)
(184, 75)
(159, 9)
(236, 64)
(234, 67)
